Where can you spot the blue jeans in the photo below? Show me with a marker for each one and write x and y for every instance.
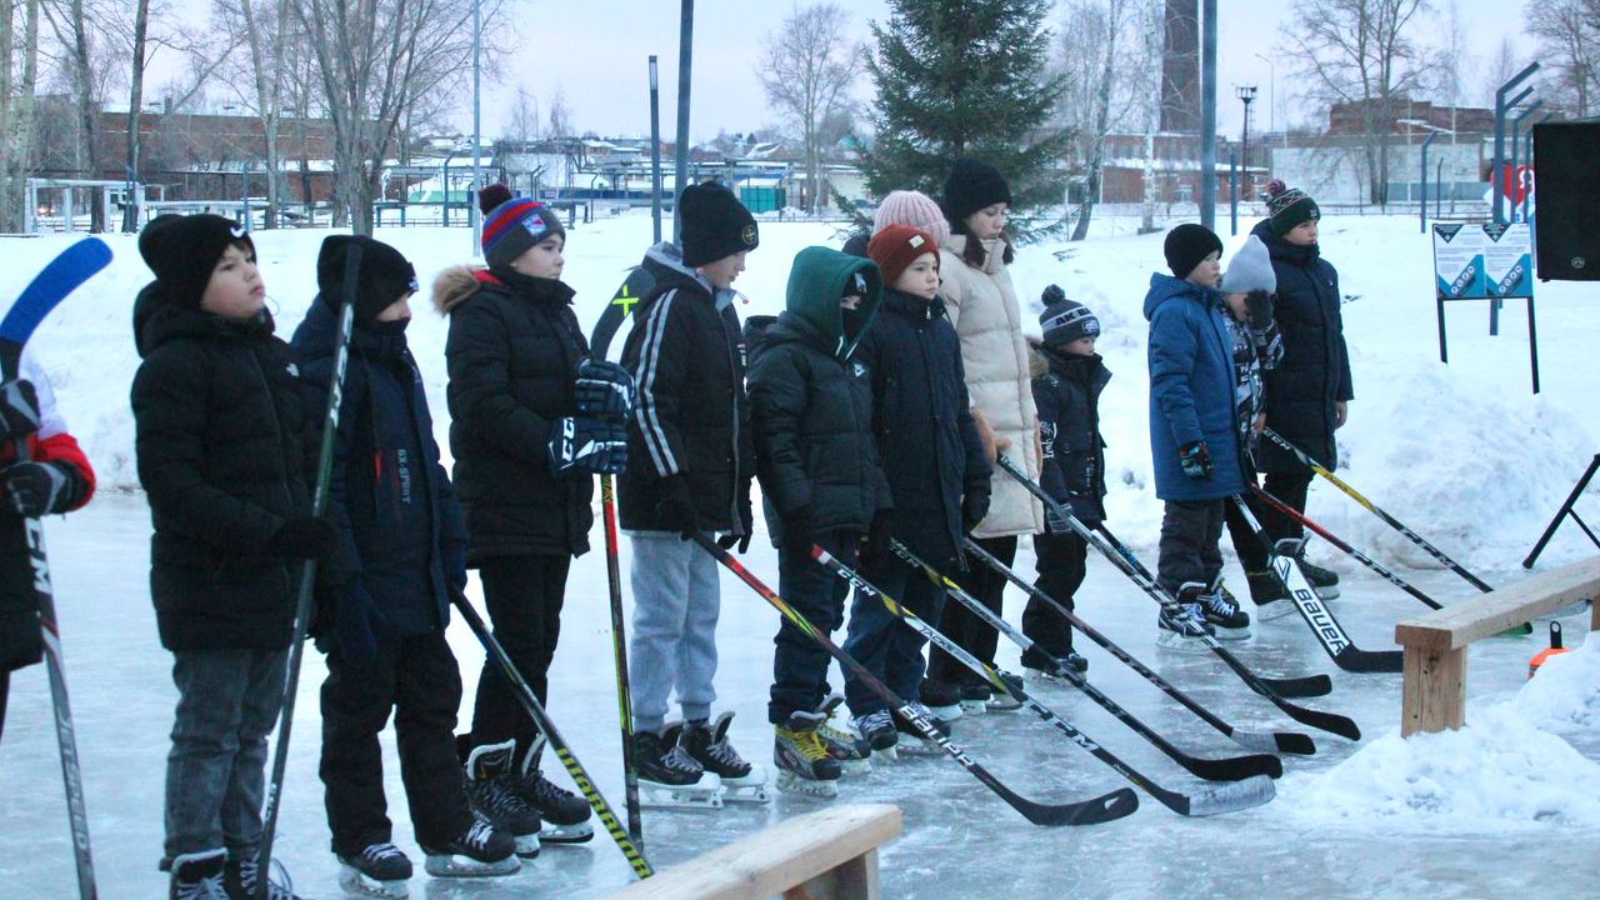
(228, 702)
(887, 647)
(799, 663)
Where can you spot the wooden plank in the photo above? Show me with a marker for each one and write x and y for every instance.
(1435, 690)
(1459, 624)
(777, 859)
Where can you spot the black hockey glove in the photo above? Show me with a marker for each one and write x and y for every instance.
(1259, 305)
(19, 408)
(604, 390)
(580, 445)
(40, 488)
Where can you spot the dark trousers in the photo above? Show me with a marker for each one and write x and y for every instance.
(5, 690)
(1292, 490)
(524, 596)
(1246, 543)
(418, 678)
(1062, 565)
(968, 631)
(799, 664)
(887, 647)
(1190, 534)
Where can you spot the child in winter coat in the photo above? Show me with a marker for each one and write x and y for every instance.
(694, 459)
(811, 407)
(226, 437)
(939, 482)
(1194, 437)
(1247, 289)
(403, 549)
(527, 441)
(1073, 472)
(56, 478)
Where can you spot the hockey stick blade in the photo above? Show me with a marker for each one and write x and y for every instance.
(1107, 808)
(1251, 792)
(1276, 742)
(1309, 686)
(59, 278)
(1352, 659)
(1233, 768)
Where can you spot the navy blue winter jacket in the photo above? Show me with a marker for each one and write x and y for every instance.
(398, 518)
(1067, 394)
(1191, 388)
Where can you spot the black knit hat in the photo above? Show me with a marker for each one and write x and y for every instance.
(972, 185)
(1064, 321)
(383, 275)
(714, 224)
(1288, 207)
(183, 250)
(1187, 245)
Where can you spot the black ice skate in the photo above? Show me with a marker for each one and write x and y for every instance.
(1228, 622)
(481, 851)
(669, 778)
(197, 876)
(850, 749)
(1269, 595)
(240, 874)
(565, 815)
(804, 766)
(877, 729)
(1183, 627)
(1324, 582)
(912, 741)
(943, 698)
(380, 870)
(1038, 666)
(489, 789)
(708, 745)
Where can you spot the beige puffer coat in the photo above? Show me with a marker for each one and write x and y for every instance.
(982, 305)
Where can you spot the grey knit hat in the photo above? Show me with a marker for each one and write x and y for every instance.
(1250, 270)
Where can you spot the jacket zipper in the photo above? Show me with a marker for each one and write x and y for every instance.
(277, 428)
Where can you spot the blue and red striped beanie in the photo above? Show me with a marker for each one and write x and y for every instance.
(514, 225)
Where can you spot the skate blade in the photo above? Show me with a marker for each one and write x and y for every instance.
(1277, 609)
(444, 865)
(1330, 592)
(790, 783)
(974, 707)
(690, 798)
(887, 754)
(351, 881)
(946, 714)
(917, 746)
(752, 794)
(1004, 704)
(1232, 634)
(856, 766)
(527, 846)
(1039, 676)
(581, 833)
(1170, 640)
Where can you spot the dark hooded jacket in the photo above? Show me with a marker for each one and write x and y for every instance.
(226, 437)
(1315, 370)
(929, 445)
(1067, 393)
(389, 496)
(812, 402)
(686, 353)
(513, 355)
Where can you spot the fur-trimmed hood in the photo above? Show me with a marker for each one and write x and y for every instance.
(455, 284)
(1037, 364)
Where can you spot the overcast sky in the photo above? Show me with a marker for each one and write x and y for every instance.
(597, 50)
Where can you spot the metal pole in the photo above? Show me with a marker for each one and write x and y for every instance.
(1438, 194)
(1272, 114)
(477, 130)
(1208, 114)
(1233, 190)
(1500, 107)
(685, 61)
(655, 151)
(1422, 203)
(1516, 142)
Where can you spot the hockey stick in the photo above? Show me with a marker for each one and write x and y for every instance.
(1330, 634)
(1254, 790)
(1277, 741)
(1287, 510)
(1232, 769)
(71, 268)
(1329, 722)
(634, 286)
(1373, 508)
(1115, 805)
(547, 727)
(308, 574)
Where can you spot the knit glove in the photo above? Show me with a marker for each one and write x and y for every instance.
(1195, 460)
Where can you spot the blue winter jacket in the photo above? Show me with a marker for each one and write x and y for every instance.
(1191, 388)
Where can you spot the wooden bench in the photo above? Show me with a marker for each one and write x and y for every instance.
(1436, 644)
(818, 856)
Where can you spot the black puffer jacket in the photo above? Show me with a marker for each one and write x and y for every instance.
(1315, 370)
(226, 438)
(396, 511)
(922, 422)
(1067, 393)
(687, 355)
(513, 355)
(812, 404)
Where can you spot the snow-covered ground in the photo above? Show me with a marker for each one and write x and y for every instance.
(1462, 453)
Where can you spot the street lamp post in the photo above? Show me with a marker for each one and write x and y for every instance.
(1272, 98)
(1247, 94)
(477, 129)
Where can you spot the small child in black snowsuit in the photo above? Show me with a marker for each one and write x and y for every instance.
(387, 601)
(1067, 395)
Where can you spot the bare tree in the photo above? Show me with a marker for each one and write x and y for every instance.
(807, 69)
(1504, 65)
(560, 114)
(265, 30)
(524, 125)
(71, 31)
(17, 108)
(1568, 32)
(1102, 85)
(1361, 53)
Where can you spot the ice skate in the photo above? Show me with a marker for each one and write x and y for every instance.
(1324, 582)
(489, 789)
(380, 870)
(197, 876)
(911, 741)
(481, 851)
(1269, 596)
(240, 874)
(1183, 627)
(563, 814)
(804, 766)
(1037, 666)
(708, 745)
(877, 729)
(975, 699)
(943, 698)
(853, 754)
(669, 778)
(1228, 622)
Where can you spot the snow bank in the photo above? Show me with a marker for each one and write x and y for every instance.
(1505, 769)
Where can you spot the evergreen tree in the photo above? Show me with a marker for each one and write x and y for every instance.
(966, 78)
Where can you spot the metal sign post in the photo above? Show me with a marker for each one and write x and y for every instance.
(1487, 262)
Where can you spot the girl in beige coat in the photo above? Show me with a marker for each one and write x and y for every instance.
(982, 305)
